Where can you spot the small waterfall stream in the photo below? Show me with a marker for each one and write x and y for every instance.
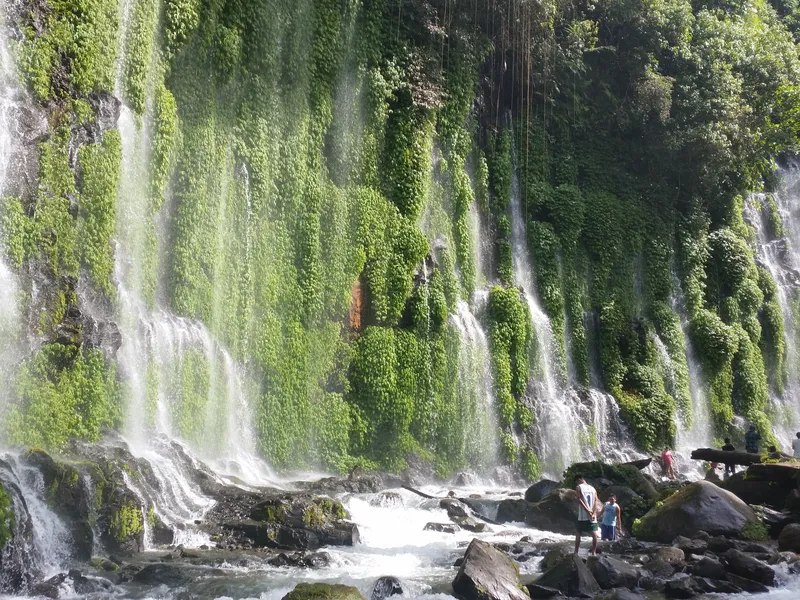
(570, 424)
(9, 315)
(44, 547)
(475, 390)
(700, 434)
(179, 380)
(780, 255)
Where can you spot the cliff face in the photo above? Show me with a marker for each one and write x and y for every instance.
(340, 232)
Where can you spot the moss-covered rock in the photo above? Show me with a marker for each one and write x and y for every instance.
(602, 475)
(323, 591)
(701, 506)
(295, 522)
(7, 518)
(68, 496)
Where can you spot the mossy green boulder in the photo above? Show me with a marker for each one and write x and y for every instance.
(602, 475)
(701, 506)
(6, 518)
(323, 591)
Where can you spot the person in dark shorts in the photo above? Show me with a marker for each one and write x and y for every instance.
(728, 447)
(587, 517)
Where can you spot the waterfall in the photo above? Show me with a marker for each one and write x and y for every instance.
(9, 315)
(779, 253)
(179, 380)
(700, 434)
(475, 390)
(42, 541)
(555, 422)
(570, 424)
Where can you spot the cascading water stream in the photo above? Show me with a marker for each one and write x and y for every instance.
(476, 390)
(699, 434)
(780, 255)
(9, 314)
(569, 424)
(42, 539)
(171, 366)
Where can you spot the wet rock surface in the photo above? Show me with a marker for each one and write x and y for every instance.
(487, 574)
(386, 587)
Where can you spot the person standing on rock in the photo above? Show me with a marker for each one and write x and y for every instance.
(751, 440)
(611, 526)
(729, 469)
(587, 518)
(669, 463)
(796, 446)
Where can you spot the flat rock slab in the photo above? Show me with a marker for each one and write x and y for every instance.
(487, 574)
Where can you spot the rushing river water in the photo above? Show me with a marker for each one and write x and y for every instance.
(393, 542)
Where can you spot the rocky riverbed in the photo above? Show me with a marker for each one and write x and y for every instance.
(100, 522)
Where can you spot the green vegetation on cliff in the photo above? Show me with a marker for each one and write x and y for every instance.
(314, 173)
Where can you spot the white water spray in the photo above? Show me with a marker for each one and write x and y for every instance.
(9, 313)
(476, 392)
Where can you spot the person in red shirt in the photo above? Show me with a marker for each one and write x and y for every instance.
(669, 463)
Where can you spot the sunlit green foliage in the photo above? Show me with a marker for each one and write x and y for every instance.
(313, 162)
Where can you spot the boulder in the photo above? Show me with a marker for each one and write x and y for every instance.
(571, 577)
(556, 513)
(720, 544)
(659, 568)
(670, 555)
(613, 573)
(487, 574)
(323, 591)
(622, 594)
(640, 464)
(684, 587)
(748, 567)
(169, 575)
(86, 586)
(602, 476)
(442, 527)
(512, 511)
(471, 524)
(746, 585)
(652, 584)
(789, 539)
(539, 591)
(625, 495)
(554, 556)
(455, 508)
(387, 500)
(716, 586)
(708, 567)
(698, 506)
(386, 587)
(295, 522)
(540, 490)
(688, 546)
(358, 482)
